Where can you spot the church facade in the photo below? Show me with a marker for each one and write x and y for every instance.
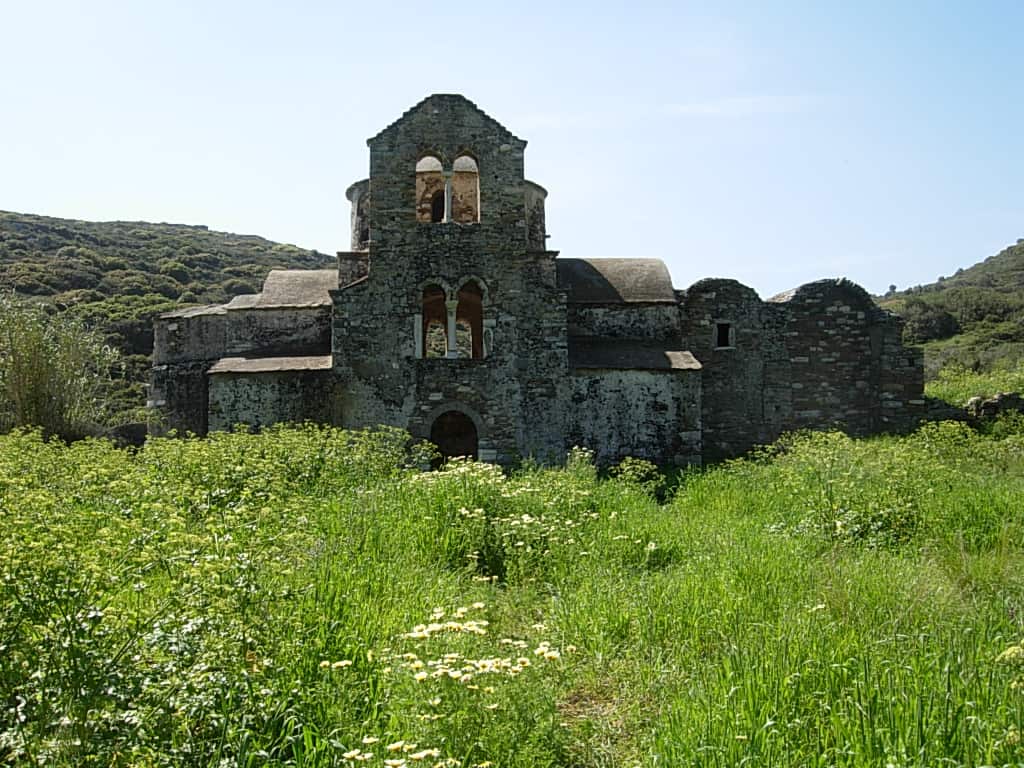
(450, 318)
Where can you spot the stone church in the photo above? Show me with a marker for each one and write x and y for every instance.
(449, 317)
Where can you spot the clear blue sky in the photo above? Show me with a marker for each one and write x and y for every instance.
(883, 141)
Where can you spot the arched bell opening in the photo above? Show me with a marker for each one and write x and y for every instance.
(454, 434)
(430, 182)
(465, 190)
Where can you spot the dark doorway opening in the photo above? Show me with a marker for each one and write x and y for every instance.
(454, 434)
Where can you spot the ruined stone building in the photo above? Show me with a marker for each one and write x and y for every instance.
(449, 317)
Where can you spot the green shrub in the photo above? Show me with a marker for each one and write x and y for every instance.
(55, 373)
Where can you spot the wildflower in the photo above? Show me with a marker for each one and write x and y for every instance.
(425, 753)
(395, 746)
(370, 739)
(352, 754)
(1012, 654)
(420, 676)
(491, 707)
(478, 606)
(399, 763)
(552, 654)
(325, 664)
(341, 664)
(434, 702)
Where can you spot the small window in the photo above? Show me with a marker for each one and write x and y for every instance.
(723, 335)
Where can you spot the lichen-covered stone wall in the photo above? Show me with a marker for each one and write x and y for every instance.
(262, 399)
(654, 415)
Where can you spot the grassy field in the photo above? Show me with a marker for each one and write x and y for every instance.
(956, 384)
(299, 598)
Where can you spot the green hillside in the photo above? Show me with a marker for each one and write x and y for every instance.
(120, 275)
(975, 318)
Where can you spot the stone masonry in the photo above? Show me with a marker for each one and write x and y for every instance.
(451, 319)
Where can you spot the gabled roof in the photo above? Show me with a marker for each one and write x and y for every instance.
(290, 288)
(450, 101)
(615, 281)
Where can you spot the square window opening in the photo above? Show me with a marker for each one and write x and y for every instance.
(723, 335)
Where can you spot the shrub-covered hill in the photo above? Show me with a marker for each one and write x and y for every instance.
(122, 273)
(119, 275)
(974, 318)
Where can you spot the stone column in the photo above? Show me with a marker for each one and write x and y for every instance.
(453, 348)
(447, 196)
(417, 330)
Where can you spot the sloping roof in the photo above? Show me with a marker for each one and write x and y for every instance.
(628, 354)
(291, 288)
(615, 281)
(205, 309)
(448, 101)
(272, 364)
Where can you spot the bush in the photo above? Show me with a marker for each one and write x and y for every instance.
(55, 372)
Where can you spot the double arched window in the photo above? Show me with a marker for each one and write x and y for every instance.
(451, 323)
(447, 195)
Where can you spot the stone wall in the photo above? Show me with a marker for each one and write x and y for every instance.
(733, 394)
(262, 399)
(654, 415)
(190, 335)
(536, 225)
(281, 331)
(848, 366)
(648, 321)
(186, 344)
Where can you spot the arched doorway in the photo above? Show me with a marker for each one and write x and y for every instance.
(454, 434)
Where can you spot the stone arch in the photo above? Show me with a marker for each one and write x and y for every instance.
(455, 429)
(481, 283)
(449, 293)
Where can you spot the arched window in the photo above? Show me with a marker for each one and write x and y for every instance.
(435, 326)
(469, 317)
(465, 207)
(429, 182)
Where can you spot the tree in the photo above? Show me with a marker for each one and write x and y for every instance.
(55, 372)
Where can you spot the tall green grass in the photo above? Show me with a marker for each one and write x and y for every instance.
(308, 597)
(956, 384)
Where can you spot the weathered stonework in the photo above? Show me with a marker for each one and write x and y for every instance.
(450, 318)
